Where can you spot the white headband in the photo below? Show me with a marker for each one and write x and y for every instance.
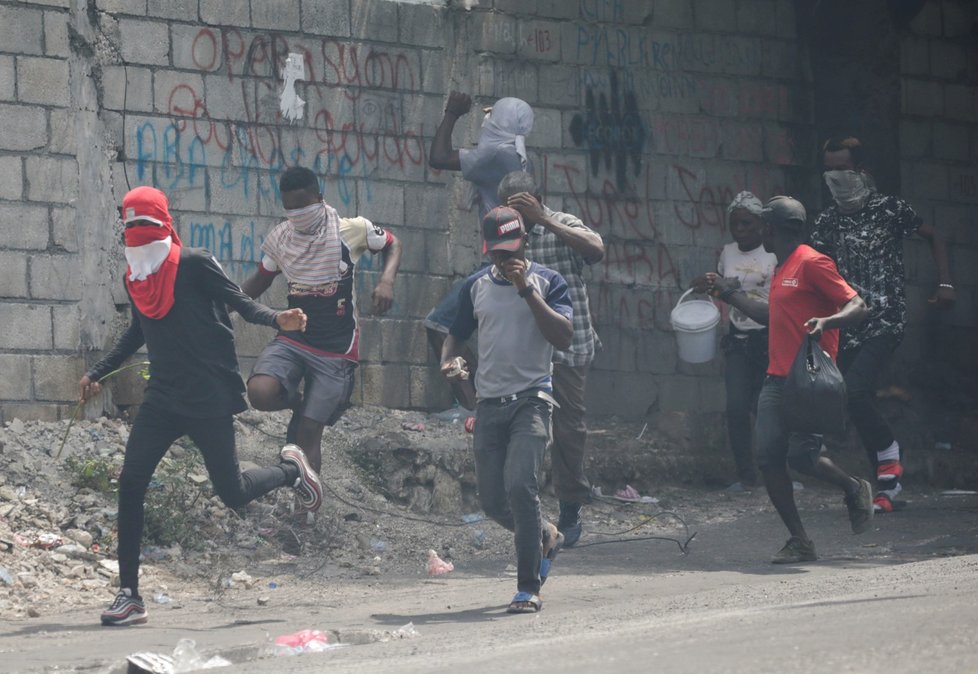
(748, 202)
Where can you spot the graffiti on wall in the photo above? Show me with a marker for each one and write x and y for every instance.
(612, 130)
(225, 138)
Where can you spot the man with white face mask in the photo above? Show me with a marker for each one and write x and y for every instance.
(316, 250)
(863, 231)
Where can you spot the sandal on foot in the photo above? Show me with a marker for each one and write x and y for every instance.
(524, 602)
(548, 559)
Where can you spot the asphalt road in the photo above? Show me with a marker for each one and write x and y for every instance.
(900, 598)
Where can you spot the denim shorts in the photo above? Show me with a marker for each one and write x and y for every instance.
(774, 442)
(329, 380)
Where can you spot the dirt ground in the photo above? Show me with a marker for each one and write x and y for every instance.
(398, 484)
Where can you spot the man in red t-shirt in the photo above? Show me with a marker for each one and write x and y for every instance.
(808, 297)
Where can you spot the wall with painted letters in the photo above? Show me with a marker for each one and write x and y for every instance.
(650, 116)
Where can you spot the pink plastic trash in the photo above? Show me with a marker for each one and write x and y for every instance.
(304, 641)
(437, 565)
(628, 493)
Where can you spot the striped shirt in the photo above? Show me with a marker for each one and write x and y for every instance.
(547, 249)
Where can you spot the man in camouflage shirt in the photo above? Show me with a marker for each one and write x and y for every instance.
(863, 231)
(563, 243)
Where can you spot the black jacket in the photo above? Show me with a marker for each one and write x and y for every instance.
(193, 366)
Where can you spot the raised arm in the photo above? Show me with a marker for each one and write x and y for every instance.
(585, 242)
(442, 155)
(556, 328)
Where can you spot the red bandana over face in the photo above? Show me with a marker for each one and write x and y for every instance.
(151, 291)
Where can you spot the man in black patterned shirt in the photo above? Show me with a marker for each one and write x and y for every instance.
(863, 231)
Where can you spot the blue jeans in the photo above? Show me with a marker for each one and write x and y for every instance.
(510, 442)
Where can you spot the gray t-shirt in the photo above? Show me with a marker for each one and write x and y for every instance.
(485, 167)
(513, 354)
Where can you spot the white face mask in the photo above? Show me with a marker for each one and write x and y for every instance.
(308, 220)
(850, 189)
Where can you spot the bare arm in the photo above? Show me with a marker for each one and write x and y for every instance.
(944, 297)
(383, 293)
(729, 291)
(442, 155)
(556, 328)
(852, 313)
(256, 284)
(450, 348)
(586, 243)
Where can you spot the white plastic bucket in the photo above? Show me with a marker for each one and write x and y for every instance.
(695, 323)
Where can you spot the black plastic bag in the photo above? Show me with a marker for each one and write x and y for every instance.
(814, 394)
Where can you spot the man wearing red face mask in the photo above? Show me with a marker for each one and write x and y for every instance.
(180, 298)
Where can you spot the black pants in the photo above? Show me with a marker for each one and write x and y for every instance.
(152, 434)
(745, 356)
(861, 367)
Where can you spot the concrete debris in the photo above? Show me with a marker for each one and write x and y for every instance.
(389, 490)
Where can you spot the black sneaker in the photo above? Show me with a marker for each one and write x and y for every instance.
(795, 551)
(125, 610)
(569, 522)
(307, 485)
(859, 503)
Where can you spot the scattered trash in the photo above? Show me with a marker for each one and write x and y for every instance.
(272, 585)
(186, 658)
(452, 415)
(630, 494)
(412, 426)
(46, 541)
(378, 546)
(162, 598)
(459, 369)
(958, 492)
(472, 518)
(150, 663)
(304, 641)
(243, 578)
(405, 632)
(470, 424)
(5, 577)
(943, 446)
(438, 566)
(642, 432)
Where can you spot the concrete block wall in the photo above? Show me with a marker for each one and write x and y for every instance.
(939, 171)
(650, 116)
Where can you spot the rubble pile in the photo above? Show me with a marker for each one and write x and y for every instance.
(399, 486)
(58, 515)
